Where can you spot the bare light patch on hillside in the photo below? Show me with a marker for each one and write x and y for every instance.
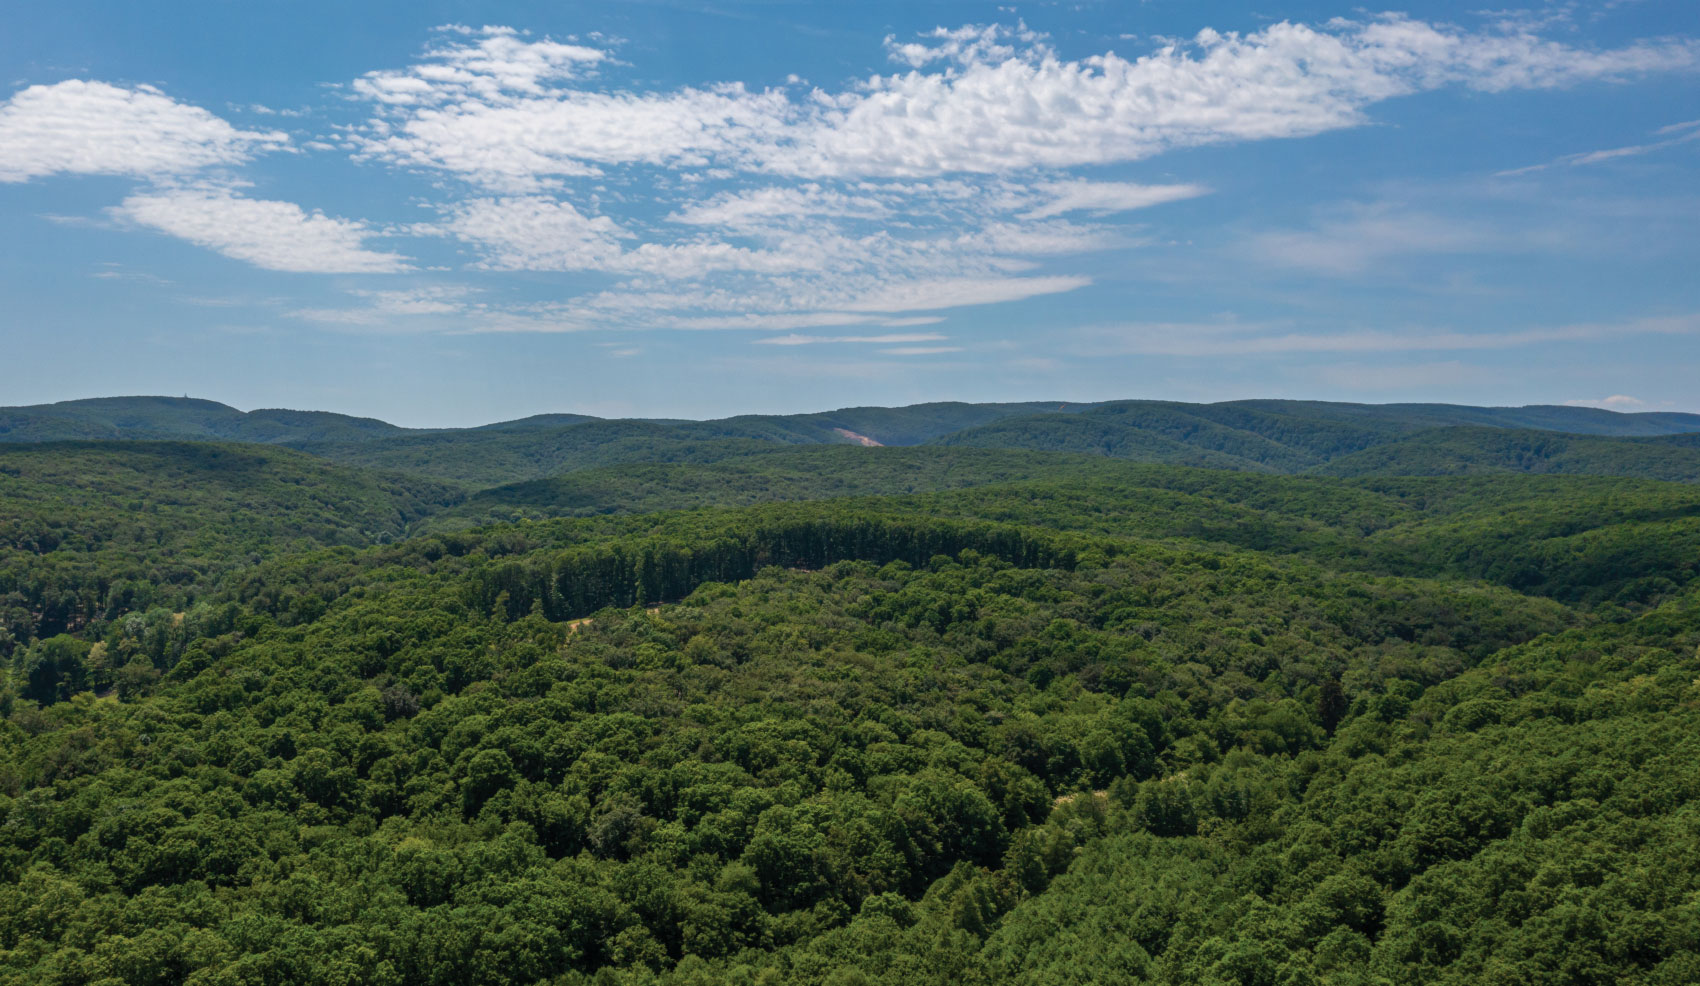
(858, 439)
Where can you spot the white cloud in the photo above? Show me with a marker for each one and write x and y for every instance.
(520, 141)
(765, 303)
(888, 339)
(264, 110)
(944, 184)
(929, 295)
(800, 320)
(509, 114)
(760, 208)
(1033, 109)
(536, 232)
(84, 127)
(1037, 239)
(701, 257)
(797, 258)
(499, 65)
(270, 234)
(920, 350)
(533, 233)
(771, 323)
(963, 45)
(1102, 197)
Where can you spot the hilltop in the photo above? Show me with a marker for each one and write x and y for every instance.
(1256, 435)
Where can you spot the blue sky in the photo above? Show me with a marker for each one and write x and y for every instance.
(446, 214)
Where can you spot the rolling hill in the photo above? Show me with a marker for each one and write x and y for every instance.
(1258, 435)
(1287, 436)
(152, 418)
(1472, 450)
(90, 530)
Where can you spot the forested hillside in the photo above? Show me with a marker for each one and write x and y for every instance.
(770, 707)
(1472, 451)
(182, 418)
(92, 530)
(488, 457)
(1353, 439)
(770, 474)
(1265, 436)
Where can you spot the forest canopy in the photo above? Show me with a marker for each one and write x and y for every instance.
(770, 708)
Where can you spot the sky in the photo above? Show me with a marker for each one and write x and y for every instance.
(454, 213)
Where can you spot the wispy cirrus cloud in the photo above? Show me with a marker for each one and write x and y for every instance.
(887, 339)
(787, 320)
(921, 350)
(1104, 197)
(1677, 133)
(932, 295)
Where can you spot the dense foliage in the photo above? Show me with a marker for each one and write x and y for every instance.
(1354, 439)
(1476, 451)
(772, 474)
(1261, 436)
(953, 716)
(1579, 539)
(148, 418)
(90, 531)
(483, 458)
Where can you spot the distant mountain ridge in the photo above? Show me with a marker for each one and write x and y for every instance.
(1288, 436)
(182, 418)
(1279, 436)
(914, 424)
(1469, 450)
